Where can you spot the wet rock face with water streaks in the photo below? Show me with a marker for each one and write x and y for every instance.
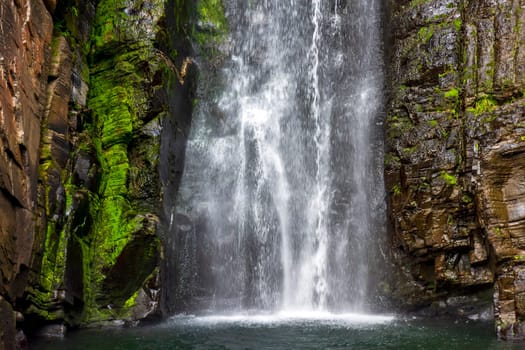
(456, 163)
(25, 36)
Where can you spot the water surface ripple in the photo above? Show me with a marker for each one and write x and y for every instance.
(322, 331)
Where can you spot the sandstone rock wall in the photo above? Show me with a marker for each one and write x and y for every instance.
(455, 161)
(25, 37)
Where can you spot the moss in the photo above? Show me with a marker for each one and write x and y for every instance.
(415, 3)
(408, 151)
(484, 107)
(132, 268)
(467, 199)
(212, 25)
(425, 34)
(122, 86)
(452, 94)
(457, 24)
(52, 265)
(396, 190)
(424, 185)
(109, 226)
(392, 160)
(183, 10)
(131, 301)
(50, 278)
(107, 22)
(102, 222)
(398, 126)
(448, 178)
(212, 12)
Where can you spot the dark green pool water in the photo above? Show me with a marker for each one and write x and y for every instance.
(286, 333)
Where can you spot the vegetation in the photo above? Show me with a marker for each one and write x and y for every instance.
(449, 178)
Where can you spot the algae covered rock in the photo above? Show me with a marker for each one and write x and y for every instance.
(112, 75)
(128, 78)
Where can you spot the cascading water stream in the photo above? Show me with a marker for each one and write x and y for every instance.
(281, 203)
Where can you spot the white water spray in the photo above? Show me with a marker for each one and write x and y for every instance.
(283, 167)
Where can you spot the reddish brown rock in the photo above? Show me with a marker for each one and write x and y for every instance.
(25, 36)
(456, 151)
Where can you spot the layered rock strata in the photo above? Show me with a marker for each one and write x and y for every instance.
(454, 166)
(25, 37)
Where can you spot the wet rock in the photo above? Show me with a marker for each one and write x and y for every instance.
(60, 87)
(19, 317)
(133, 266)
(25, 37)
(50, 5)
(454, 176)
(147, 304)
(79, 91)
(85, 170)
(7, 326)
(21, 341)
(52, 331)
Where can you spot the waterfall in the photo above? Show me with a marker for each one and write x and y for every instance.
(281, 203)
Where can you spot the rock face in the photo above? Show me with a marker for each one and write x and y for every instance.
(87, 90)
(455, 158)
(25, 35)
(95, 105)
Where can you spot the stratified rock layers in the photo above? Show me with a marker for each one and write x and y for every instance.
(455, 161)
(25, 36)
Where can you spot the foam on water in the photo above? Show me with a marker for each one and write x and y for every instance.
(284, 318)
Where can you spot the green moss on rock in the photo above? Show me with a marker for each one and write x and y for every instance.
(449, 178)
(212, 25)
(452, 94)
(121, 250)
(100, 247)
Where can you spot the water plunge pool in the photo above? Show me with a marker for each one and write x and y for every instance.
(289, 331)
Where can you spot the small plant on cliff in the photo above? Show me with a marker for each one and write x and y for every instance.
(396, 190)
(448, 178)
(425, 34)
(415, 3)
(452, 94)
(457, 24)
(483, 105)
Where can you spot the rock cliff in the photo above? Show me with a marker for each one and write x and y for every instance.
(94, 94)
(95, 107)
(455, 159)
(25, 37)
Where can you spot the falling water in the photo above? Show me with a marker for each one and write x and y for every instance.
(281, 201)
